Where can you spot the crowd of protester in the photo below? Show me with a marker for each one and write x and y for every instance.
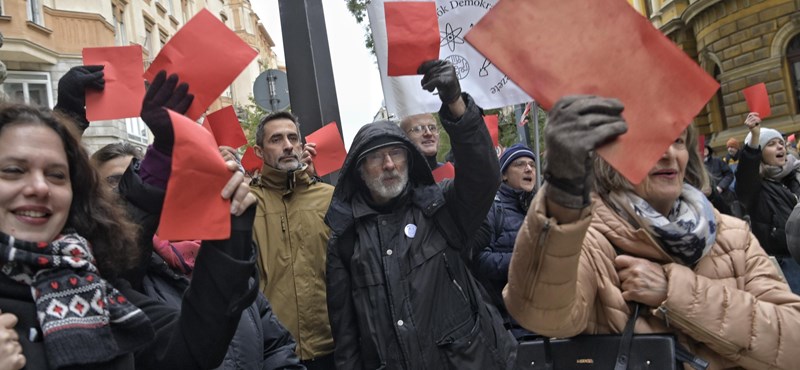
(389, 269)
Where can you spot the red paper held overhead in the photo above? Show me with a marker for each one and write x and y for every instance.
(758, 100)
(492, 125)
(330, 149)
(226, 127)
(412, 31)
(445, 171)
(604, 48)
(207, 55)
(124, 86)
(193, 207)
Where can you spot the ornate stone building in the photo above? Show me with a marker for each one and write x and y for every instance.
(44, 39)
(740, 43)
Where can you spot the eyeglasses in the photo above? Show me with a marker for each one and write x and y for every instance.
(375, 159)
(419, 130)
(523, 164)
(113, 180)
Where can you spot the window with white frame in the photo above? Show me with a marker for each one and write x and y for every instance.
(29, 87)
(35, 12)
(247, 21)
(136, 129)
(120, 33)
(2, 8)
(149, 37)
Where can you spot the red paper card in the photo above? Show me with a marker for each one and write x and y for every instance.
(701, 145)
(758, 100)
(330, 149)
(207, 126)
(226, 127)
(250, 160)
(445, 171)
(207, 55)
(605, 48)
(494, 130)
(124, 88)
(412, 32)
(193, 206)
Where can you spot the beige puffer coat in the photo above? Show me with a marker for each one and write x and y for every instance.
(733, 309)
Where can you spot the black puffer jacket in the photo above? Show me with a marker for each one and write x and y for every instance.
(260, 341)
(400, 298)
(769, 203)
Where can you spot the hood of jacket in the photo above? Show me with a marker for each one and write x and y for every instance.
(340, 214)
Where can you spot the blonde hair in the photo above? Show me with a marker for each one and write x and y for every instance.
(607, 179)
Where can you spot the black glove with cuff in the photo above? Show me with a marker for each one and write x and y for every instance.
(72, 92)
(440, 75)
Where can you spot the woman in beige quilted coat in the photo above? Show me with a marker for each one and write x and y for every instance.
(582, 256)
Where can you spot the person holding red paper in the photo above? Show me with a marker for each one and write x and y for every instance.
(768, 184)
(292, 237)
(72, 87)
(400, 296)
(593, 245)
(422, 130)
(259, 341)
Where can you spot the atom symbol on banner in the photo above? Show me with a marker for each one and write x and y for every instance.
(451, 37)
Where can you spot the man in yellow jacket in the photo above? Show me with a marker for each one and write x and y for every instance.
(292, 238)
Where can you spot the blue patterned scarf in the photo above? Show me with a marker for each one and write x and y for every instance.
(686, 233)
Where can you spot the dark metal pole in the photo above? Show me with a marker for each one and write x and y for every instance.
(308, 65)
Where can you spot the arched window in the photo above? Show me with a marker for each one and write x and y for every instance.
(793, 61)
(720, 104)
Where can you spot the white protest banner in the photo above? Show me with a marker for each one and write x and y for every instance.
(488, 85)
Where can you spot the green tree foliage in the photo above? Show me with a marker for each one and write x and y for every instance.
(250, 115)
(358, 8)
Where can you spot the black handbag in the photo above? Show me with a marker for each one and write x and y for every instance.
(605, 351)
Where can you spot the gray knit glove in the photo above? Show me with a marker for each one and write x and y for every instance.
(576, 126)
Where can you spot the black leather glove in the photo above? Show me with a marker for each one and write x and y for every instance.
(440, 75)
(72, 92)
(576, 126)
(161, 94)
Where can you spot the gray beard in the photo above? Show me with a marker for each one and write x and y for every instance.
(387, 192)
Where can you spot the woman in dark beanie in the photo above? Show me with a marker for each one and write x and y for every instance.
(518, 170)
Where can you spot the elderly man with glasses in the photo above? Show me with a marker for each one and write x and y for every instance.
(400, 294)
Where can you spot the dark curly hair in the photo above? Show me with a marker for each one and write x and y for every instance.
(94, 214)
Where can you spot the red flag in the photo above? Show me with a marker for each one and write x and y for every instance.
(524, 119)
(193, 207)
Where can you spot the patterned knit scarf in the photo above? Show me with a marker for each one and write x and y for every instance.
(82, 317)
(686, 233)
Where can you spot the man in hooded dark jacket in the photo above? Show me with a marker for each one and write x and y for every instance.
(400, 296)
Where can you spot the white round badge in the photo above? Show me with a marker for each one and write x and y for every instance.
(411, 230)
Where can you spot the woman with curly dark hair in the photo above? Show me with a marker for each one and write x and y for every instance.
(63, 245)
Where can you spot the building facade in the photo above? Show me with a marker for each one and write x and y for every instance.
(740, 43)
(43, 39)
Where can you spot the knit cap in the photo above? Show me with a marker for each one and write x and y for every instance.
(513, 152)
(766, 135)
